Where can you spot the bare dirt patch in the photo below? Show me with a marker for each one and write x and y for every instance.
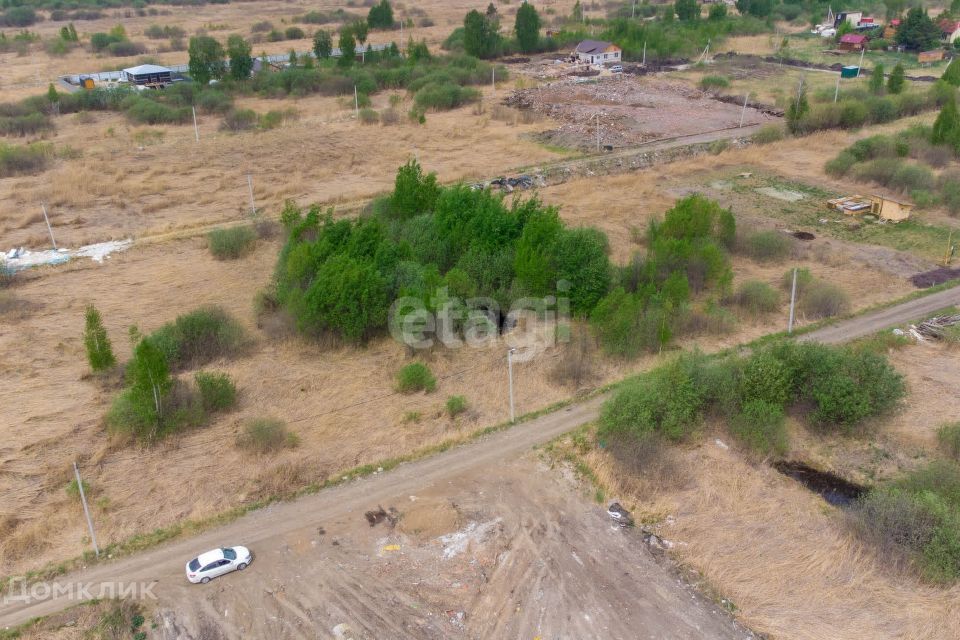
(631, 109)
(528, 557)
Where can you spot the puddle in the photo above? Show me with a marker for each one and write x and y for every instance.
(781, 194)
(803, 235)
(830, 487)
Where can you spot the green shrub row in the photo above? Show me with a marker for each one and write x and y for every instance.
(838, 389)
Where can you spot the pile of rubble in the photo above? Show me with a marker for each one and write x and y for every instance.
(509, 185)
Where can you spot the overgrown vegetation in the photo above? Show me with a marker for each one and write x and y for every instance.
(155, 403)
(232, 243)
(949, 437)
(266, 435)
(906, 162)
(18, 160)
(456, 405)
(836, 389)
(97, 342)
(917, 516)
(340, 277)
(687, 253)
(414, 377)
(816, 298)
(199, 337)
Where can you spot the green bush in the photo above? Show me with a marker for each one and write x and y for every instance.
(369, 116)
(757, 297)
(23, 160)
(237, 120)
(415, 377)
(444, 96)
(766, 246)
(840, 165)
(761, 427)
(97, 342)
(880, 170)
(708, 83)
(456, 405)
(266, 435)
(232, 243)
(910, 177)
(199, 337)
(821, 299)
(917, 515)
(804, 279)
(949, 437)
(667, 400)
(217, 391)
(768, 133)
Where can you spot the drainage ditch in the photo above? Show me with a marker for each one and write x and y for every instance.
(831, 487)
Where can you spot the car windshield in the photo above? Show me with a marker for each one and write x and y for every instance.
(229, 554)
(194, 564)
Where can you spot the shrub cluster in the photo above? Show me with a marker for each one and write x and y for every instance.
(341, 276)
(199, 337)
(857, 108)
(232, 243)
(901, 162)
(155, 404)
(266, 435)
(918, 516)
(765, 246)
(837, 388)
(414, 377)
(816, 298)
(687, 253)
(18, 160)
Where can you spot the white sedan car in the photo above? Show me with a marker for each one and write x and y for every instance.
(215, 563)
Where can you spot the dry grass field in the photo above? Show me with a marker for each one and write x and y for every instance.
(763, 542)
(339, 402)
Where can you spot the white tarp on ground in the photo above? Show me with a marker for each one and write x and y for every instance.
(18, 259)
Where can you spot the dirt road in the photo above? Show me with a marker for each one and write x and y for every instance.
(481, 462)
(871, 323)
(523, 555)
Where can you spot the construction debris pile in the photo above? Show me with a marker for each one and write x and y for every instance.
(509, 185)
(933, 329)
(628, 110)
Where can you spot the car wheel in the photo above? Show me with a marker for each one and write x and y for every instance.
(241, 566)
(204, 580)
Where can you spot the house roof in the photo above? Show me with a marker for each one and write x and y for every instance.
(853, 38)
(949, 26)
(594, 46)
(145, 69)
(895, 22)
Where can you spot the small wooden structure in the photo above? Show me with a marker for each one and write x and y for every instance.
(929, 57)
(886, 209)
(852, 42)
(890, 31)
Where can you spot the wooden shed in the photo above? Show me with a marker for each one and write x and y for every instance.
(886, 209)
(889, 209)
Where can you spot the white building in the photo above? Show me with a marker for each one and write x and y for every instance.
(598, 52)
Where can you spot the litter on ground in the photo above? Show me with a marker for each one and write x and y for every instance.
(21, 258)
(456, 543)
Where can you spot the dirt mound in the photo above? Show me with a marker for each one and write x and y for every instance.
(430, 520)
(934, 277)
